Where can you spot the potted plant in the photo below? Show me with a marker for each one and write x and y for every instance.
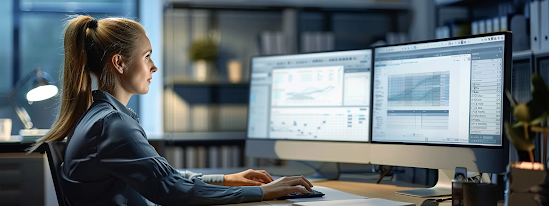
(203, 53)
(527, 179)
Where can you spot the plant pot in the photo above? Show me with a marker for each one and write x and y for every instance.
(526, 184)
(204, 71)
(234, 69)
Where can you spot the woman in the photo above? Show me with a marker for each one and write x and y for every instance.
(108, 160)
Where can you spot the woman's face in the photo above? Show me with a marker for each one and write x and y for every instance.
(138, 76)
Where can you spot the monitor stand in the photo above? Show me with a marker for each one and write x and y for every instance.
(442, 188)
(312, 170)
(325, 171)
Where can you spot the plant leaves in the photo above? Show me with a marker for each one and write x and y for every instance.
(537, 113)
(203, 49)
(539, 120)
(521, 112)
(540, 92)
(515, 134)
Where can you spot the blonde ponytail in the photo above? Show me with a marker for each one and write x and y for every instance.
(88, 45)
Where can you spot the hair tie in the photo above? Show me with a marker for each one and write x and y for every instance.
(92, 24)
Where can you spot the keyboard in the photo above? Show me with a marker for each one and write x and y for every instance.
(312, 193)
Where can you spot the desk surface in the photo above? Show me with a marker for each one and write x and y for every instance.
(367, 187)
(373, 190)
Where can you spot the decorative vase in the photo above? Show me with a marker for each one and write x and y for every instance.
(234, 68)
(525, 184)
(203, 70)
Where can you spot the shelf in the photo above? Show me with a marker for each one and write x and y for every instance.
(448, 2)
(208, 136)
(266, 4)
(541, 53)
(188, 81)
(210, 83)
(442, 3)
(522, 54)
(200, 138)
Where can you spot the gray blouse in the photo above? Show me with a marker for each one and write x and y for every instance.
(109, 161)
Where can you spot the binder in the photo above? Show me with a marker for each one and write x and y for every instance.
(441, 32)
(503, 23)
(474, 27)
(495, 24)
(175, 156)
(438, 33)
(213, 156)
(481, 27)
(535, 44)
(202, 157)
(191, 157)
(235, 150)
(489, 28)
(544, 25)
(226, 156)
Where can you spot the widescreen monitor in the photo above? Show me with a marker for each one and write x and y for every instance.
(440, 104)
(310, 107)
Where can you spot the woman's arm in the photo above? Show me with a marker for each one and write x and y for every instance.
(124, 152)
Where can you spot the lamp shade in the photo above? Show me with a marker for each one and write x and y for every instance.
(42, 88)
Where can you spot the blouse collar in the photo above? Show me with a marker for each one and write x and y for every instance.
(102, 96)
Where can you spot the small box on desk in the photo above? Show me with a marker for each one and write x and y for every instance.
(522, 178)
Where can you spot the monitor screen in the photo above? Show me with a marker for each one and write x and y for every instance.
(440, 92)
(320, 96)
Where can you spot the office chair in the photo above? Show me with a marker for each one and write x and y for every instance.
(55, 151)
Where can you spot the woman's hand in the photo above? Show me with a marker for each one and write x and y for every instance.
(284, 186)
(248, 178)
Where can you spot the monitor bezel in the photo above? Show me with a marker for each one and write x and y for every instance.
(308, 53)
(508, 58)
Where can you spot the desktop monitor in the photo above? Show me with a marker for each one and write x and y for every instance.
(313, 107)
(440, 104)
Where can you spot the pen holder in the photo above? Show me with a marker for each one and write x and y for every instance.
(457, 192)
(479, 194)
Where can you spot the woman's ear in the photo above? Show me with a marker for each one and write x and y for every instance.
(118, 63)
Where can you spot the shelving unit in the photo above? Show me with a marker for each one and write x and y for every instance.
(191, 19)
(217, 109)
(464, 12)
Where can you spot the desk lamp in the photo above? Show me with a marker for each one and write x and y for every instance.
(42, 89)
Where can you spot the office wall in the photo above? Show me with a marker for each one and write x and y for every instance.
(6, 46)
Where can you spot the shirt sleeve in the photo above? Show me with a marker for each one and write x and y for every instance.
(210, 179)
(124, 152)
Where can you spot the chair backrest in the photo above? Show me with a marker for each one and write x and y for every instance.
(55, 151)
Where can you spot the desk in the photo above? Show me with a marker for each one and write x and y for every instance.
(348, 183)
(367, 189)
(13, 147)
(373, 190)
